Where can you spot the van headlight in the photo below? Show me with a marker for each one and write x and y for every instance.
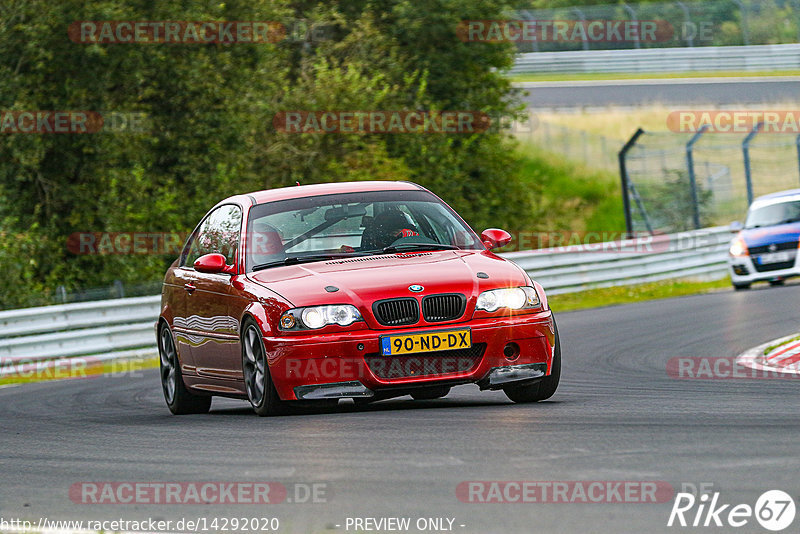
(738, 248)
(513, 298)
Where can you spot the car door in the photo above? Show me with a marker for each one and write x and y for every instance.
(174, 292)
(212, 328)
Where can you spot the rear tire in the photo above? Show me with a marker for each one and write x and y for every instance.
(257, 379)
(546, 387)
(436, 392)
(775, 283)
(741, 287)
(180, 400)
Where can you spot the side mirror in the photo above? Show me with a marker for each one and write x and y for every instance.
(211, 263)
(495, 238)
(736, 227)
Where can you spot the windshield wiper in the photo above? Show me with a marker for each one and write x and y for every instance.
(294, 260)
(403, 247)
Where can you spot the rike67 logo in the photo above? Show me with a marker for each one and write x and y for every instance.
(774, 510)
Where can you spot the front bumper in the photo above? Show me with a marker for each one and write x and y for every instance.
(349, 365)
(743, 270)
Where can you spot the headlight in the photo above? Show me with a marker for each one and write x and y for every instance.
(514, 298)
(315, 317)
(738, 248)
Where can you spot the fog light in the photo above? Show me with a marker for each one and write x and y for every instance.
(511, 351)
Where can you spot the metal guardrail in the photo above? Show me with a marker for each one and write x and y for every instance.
(699, 253)
(34, 335)
(68, 330)
(703, 59)
(44, 319)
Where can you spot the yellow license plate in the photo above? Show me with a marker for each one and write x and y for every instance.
(426, 342)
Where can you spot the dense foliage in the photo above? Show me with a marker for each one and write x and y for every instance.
(208, 129)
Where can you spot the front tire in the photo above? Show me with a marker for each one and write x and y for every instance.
(546, 387)
(257, 379)
(180, 400)
(741, 287)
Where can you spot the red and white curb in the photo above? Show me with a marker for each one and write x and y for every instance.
(784, 358)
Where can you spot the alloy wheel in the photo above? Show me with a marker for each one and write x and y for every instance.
(169, 362)
(255, 365)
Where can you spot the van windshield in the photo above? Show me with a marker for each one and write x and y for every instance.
(774, 214)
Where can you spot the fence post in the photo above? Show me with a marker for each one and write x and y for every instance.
(61, 291)
(687, 19)
(796, 11)
(797, 142)
(743, 13)
(528, 17)
(692, 179)
(623, 176)
(746, 153)
(632, 13)
(581, 16)
(119, 289)
(640, 207)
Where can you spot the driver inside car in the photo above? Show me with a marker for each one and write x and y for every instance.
(386, 228)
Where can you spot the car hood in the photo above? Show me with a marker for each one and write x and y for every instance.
(363, 280)
(782, 233)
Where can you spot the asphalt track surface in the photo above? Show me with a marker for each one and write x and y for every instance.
(616, 416)
(711, 92)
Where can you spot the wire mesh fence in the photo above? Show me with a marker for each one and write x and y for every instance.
(675, 185)
(117, 290)
(587, 148)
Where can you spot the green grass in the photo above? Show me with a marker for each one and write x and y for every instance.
(595, 298)
(782, 343)
(569, 77)
(572, 198)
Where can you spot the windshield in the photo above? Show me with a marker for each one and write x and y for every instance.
(317, 228)
(781, 213)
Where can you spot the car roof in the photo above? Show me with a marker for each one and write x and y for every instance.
(285, 193)
(774, 198)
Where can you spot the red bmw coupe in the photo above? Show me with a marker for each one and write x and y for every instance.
(365, 290)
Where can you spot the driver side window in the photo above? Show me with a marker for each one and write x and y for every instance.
(219, 233)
